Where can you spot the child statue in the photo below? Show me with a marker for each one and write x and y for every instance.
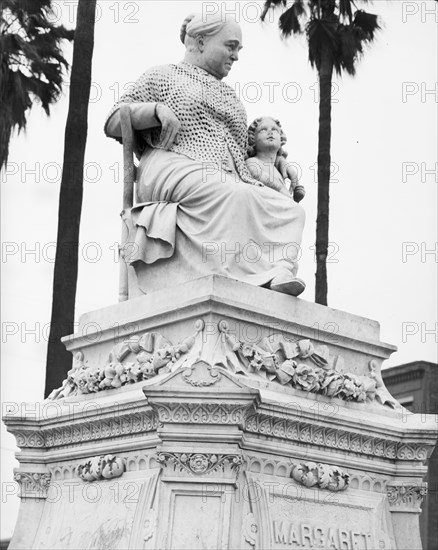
(267, 160)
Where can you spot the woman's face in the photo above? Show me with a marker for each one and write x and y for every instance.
(267, 135)
(221, 50)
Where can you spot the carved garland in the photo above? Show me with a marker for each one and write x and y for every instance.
(298, 364)
(311, 474)
(101, 467)
(290, 363)
(150, 353)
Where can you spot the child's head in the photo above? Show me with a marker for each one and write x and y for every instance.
(266, 134)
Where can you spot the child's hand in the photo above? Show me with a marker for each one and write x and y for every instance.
(299, 193)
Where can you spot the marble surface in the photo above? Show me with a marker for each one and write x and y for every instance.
(217, 448)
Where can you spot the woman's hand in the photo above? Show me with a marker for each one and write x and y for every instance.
(170, 125)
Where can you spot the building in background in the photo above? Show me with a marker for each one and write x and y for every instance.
(415, 386)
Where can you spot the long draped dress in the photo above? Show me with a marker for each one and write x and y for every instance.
(200, 212)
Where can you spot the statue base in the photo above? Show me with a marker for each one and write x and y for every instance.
(221, 415)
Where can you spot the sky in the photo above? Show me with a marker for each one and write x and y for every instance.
(383, 219)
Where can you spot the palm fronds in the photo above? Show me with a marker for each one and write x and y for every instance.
(329, 25)
(291, 21)
(32, 64)
(336, 32)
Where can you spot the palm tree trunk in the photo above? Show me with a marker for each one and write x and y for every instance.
(324, 139)
(70, 199)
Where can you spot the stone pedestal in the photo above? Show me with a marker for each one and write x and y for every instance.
(221, 415)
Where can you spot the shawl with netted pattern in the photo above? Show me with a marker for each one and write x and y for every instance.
(213, 120)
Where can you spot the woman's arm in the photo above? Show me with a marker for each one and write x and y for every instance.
(142, 117)
(147, 110)
(148, 115)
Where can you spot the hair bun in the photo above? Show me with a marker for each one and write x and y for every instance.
(183, 31)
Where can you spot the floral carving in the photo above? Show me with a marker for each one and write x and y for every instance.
(101, 467)
(323, 476)
(298, 365)
(149, 354)
(200, 463)
(406, 496)
(34, 484)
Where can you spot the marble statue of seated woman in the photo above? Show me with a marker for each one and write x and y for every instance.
(199, 210)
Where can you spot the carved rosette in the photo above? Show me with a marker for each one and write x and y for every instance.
(101, 467)
(33, 484)
(150, 525)
(406, 497)
(202, 376)
(200, 463)
(311, 474)
(250, 528)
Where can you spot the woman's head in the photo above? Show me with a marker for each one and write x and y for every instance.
(212, 42)
(266, 134)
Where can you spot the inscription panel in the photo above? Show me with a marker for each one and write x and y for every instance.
(105, 511)
(196, 524)
(296, 517)
(194, 516)
(309, 523)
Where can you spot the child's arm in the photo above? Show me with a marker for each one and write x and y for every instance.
(289, 171)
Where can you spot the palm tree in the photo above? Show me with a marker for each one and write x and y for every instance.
(31, 63)
(336, 37)
(70, 199)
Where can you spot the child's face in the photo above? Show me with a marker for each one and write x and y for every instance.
(267, 136)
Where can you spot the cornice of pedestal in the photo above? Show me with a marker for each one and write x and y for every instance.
(202, 404)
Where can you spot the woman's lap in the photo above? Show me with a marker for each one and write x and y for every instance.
(224, 225)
